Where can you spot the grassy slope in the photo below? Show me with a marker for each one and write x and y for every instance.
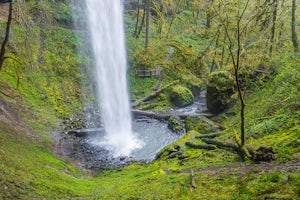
(29, 170)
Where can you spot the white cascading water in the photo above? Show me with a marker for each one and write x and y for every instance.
(105, 18)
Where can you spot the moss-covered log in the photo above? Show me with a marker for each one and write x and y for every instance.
(222, 145)
(265, 154)
(209, 135)
(165, 115)
(153, 94)
(200, 146)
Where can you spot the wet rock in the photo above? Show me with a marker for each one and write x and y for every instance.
(88, 118)
(90, 156)
(175, 124)
(177, 147)
(263, 154)
(174, 154)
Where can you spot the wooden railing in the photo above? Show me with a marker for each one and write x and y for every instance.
(149, 73)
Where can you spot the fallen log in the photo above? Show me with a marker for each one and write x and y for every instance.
(138, 113)
(153, 94)
(208, 135)
(265, 154)
(85, 132)
(222, 145)
(165, 115)
(200, 146)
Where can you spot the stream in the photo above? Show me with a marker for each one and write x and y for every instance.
(198, 107)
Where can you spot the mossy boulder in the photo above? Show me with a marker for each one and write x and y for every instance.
(220, 88)
(202, 125)
(175, 124)
(181, 96)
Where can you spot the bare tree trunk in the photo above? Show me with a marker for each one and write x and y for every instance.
(275, 4)
(238, 84)
(173, 17)
(147, 6)
(281, 23)
(235, 58)
(142, 24)
(7, 34)
(236, 72)
(212, 67)
(209, 15)
(137, 19)
(223, 52)
(294, 34)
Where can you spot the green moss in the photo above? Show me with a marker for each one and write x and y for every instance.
(175, 124)
(141, 87)
(181, 96)
(194, 83)
(220, 88)
(200, 124)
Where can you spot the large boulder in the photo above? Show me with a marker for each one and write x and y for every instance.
(181, 96)
(220, 88)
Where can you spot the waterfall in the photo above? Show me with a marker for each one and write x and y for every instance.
(105, 18)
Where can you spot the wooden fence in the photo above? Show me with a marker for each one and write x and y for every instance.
(149, 73)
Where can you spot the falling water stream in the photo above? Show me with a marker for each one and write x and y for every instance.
(105, 18)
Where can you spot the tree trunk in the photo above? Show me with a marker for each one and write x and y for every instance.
(272, 39)
(209, 15)
(235, 58)
(142, 24)
(7, 34)
(223, 51)
(147, 9)
(294, 34)
(137, 19)
(214, 64)
(173, 17)
(237, 68)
